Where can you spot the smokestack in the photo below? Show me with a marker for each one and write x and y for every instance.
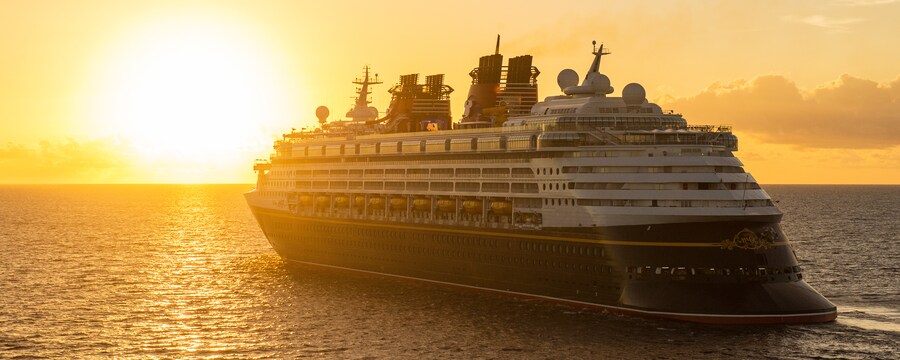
(497, 49)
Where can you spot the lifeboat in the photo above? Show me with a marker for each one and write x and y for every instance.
(341, 201)
(528, 218)
(446, 205)
(359, 201)
(501, 207)
(306, 200)
(422, 204)
(376, 202)
(322, 201)
(398, 203)
(473, 206)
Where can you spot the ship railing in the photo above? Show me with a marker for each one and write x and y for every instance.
(710, 128)
(566, 126)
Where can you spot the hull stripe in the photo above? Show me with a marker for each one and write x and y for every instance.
(695, 317)
(508, 235)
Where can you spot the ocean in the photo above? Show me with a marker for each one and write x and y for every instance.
(180, 271)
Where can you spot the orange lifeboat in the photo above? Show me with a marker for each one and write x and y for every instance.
(322, 201)
(359, 201)
(446, 205)
(341, 201)
(473, 206)
(501, 207)
(398, 203)
(422, 204)
(306, 200)
(376, 202)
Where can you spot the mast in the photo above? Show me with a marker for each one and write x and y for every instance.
(595, 66)
(361, 110)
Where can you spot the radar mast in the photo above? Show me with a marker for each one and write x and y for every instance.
(595, 66)
(361, 110)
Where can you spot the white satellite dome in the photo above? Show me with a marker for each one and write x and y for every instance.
(567, 78)
(634, 94)
(599, 83)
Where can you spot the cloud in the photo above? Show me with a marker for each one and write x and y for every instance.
(825, 22)
(68, 160)
(846, 113)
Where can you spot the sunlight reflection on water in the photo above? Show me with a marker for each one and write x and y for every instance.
(184, 271)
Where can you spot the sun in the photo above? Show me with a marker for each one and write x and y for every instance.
(192, 89)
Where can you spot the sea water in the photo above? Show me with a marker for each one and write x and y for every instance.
(184, 271)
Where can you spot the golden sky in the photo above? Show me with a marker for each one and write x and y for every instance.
(193, 91)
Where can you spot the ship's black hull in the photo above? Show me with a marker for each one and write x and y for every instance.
(701, 272)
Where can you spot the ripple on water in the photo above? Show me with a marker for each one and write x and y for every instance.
(184, 271)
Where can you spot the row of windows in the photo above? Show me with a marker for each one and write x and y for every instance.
(651, 169)
(507, 172)
(677, 203)
(561, 249)
(414, 173)
(615, 122)
(521, 142)
(503, 143)
(474, 158)
(709, 273)
(664, 186)
(418, 186)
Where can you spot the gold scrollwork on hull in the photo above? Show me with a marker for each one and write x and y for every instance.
(749, 240)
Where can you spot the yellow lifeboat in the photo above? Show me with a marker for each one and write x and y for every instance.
(359, 201)
(446, 205)
(306, 200)
(473, 206)
(501, 207)
(376, 202)
(398, 203)
(322, 201)
(422, 204)
(341, 201)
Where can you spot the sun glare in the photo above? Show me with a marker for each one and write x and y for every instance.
(188, 90)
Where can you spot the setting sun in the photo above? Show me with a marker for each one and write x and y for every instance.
(185, 92)
(188, 89)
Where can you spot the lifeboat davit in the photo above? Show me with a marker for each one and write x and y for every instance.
(422, 204)
(446, 205)
(398, 203)
(473, 206)
(341, 201)
(501, 207)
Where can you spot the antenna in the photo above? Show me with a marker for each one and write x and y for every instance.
(595, 66)
(497, 49)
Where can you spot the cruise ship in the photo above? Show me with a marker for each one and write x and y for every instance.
(583, 198)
